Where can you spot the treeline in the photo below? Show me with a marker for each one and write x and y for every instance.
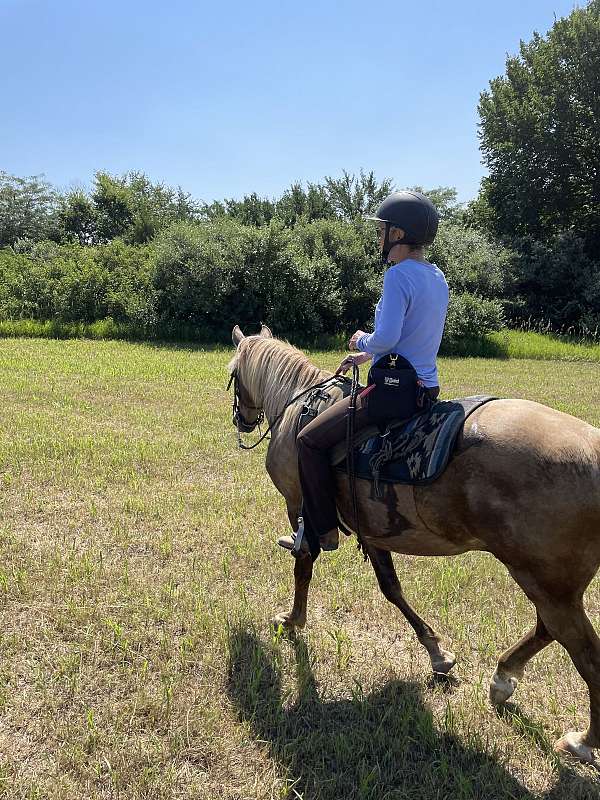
(153, 258)
(150, 257)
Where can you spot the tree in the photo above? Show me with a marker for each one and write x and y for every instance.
(347, 198)
(130, 207)
(297, 204)
(27, 209)
(539, 133)
(351, 196)
(444, 199)
(77, 218)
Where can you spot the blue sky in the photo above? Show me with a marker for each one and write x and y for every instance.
(229, 98)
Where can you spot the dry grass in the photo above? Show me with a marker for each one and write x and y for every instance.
(138, 572)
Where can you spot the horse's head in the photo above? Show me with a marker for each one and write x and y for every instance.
(247, 411)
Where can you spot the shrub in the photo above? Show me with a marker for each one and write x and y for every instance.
(75, 284)
(557, 281)
(471, 317)
(314, 279)
(471, 261)
(192, 271)
(349, 253)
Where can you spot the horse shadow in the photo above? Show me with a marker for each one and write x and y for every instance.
(380, 746)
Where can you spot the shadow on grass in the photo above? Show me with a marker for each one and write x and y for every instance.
(382, 745)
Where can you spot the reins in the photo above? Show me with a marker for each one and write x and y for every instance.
(350, 453)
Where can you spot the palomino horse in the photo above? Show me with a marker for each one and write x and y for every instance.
(524, 485)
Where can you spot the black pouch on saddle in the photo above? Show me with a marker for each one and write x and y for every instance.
(398, 392)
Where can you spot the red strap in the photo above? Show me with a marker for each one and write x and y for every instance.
(366, 391)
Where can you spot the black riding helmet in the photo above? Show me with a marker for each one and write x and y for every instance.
(411, 211)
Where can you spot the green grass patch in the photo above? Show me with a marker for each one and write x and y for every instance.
(55, 329)
(544, 346)
(103, 329)
(503, 344)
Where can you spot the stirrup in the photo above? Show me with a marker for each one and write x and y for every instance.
(295, 542)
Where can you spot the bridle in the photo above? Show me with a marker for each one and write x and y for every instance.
(243, 426)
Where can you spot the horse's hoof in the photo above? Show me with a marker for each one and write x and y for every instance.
(443, 663)
(286, 619)
(571, 745)
(501, 688)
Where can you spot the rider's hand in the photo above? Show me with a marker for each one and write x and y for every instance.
(355, 337)
(346, 364)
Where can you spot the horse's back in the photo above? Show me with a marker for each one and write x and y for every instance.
(530, 430)
(525, 477)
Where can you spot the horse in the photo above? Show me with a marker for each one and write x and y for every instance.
(523, 484)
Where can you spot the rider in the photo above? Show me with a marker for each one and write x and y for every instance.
(409, 320)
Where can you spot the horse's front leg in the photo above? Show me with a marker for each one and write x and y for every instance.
(287, 481)
(296, 618)
(441, 660)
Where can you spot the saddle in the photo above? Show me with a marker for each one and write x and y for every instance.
(414, 451)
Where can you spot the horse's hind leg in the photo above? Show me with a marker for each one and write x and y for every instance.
(296, 618)
(570, 626)
(512, 662)
(441, 660)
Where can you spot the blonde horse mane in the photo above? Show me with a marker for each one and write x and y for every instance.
(272, 371)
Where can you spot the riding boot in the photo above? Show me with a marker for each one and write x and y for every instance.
(297, 543)
(330, 540)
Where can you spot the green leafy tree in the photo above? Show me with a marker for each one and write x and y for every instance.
(250, 210)
(444, 199)
(539, 132)
(348, 197)
(28, 209)
(155, 206)
(297, 204)
(77, 218)
(130, 207)
(353, 196)
(557, 283)
(114, 206)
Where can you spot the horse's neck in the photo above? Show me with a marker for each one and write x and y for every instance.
(276, 404)
(274, 397)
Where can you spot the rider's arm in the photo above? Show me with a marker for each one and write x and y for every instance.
(390, 321)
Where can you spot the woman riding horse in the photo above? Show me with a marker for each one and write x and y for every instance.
(409, 320)
(523, 484)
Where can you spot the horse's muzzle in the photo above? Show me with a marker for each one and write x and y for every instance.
(240, 423)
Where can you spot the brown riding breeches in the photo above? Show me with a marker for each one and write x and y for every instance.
(316, 475)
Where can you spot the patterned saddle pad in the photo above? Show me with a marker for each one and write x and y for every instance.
(416, 451)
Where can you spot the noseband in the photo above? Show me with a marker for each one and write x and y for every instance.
(242, 425)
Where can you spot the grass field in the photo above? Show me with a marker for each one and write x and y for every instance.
(138, 573)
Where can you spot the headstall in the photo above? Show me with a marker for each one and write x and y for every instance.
(242, 426)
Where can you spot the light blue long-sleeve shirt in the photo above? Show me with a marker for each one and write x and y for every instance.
(410, 317)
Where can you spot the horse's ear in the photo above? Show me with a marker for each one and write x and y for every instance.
(237, 335)
(265, 331)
